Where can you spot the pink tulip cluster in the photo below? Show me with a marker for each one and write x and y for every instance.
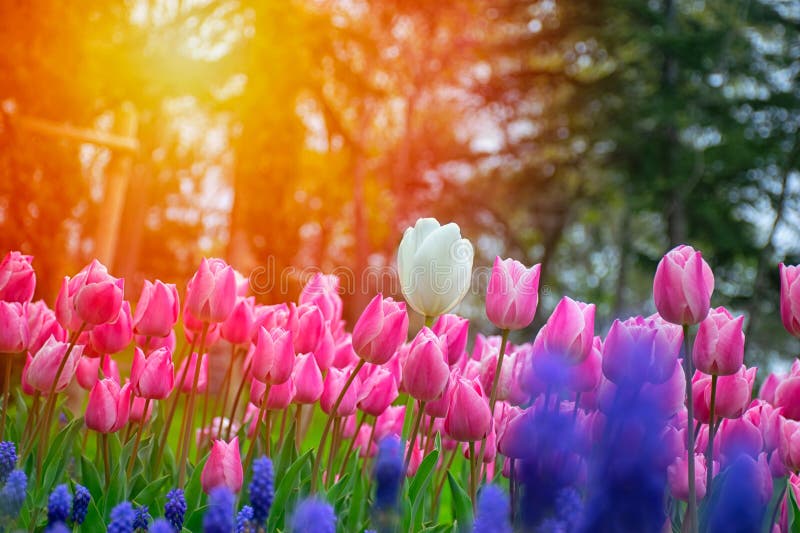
(292, 355)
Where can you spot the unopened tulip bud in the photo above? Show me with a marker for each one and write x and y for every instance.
(678, 477)
(17, 278)
(719, 345)
(238, 327)
(332, 387)
(153, 377)
(112, 337)
(211, 293)
(682, 286)
(88, 371)
(13, 328)
(455, 329)
(42, 324)
(202, 381)
(513, 294)
(435, 266)
(44, 365)
(157, 310)
(468, 418)
(426, 371)
(307, 379)
(224, 467)
(273, 356)
(380, 330)
(107, 409)
(378, 392)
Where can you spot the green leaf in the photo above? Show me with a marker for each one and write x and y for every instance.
(94, 520)
(151, 491)
(462, 506)
(90, 478)
(286, 486)
(56, 460)
(194, 488)
(194, 520)
(419, 486)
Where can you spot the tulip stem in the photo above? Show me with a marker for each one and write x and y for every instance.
(226, 391)
(204, 419)
(429, 437)
(236, 399)
(282, 432)
(329, 470)
(37, 396)
(329, 422)
(171, 412)
(498, 369)
(473, 482)
(439, 486)
(691, 512)
(371, 439)
(106, 461)
(412, 437)
(711, 433)
(7, 363)
(429, 321)
(267, 427)
(44, 421)
(138, 438)
(252, 450)
(352, 444)
(187, 435)
(778, 505)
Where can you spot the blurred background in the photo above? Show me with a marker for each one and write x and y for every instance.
(587, 135)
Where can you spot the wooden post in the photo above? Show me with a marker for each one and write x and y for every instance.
(117, 178)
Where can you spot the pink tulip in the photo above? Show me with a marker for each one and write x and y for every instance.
(628, 351)
(279, 398)
(27, 388)
(669, 396)
(701, 389)
(325, 351)
(789, 444)
(390, 422)
(678, 477)
(787, 393)
(768, 420)
(569, 332)
(790, 298)
(380, 330)
(468, 418)
(362, 441)
(585, 376)
(438, 408)
(343, 353)
(107, 410)
(113, 337)
(733, 393)
(682, 286)
(224, 467)
(719, 345)
(739, 436)
(96, 296)
(13, 328)
(332, 387)
(513, 294)
(307, 379)
(769, 386)
(202, 381)
(88, 371)
(273, 356)
(378, 392)
(211, 293)
(455, 330)
(153, 377)
(157, 310)
(42, 324)
(44, 366)
(323, 291)
(426, 372)
(17, 278)
(195, 335)
(137, 410)
(310, 325)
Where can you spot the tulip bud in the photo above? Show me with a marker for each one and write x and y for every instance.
(790, 298)
(13, 328)
(238, 327)
(332, 388)
(380, 330)
(152, 377)
(307, 379)
(224, 467)
(733, 393)
(454, 329)
(157, 310)
(211, 293)
(435, 266)
(309, 328)
(154, 343)
(17, 278)
(113, 337)
(585, 376)
(273, 356)
(325, 350)
(89, 367)
(323, 292)
(107, 409)
(468, 418)
(426, 372)
(789, 444)
(378, 392)
(682, 286)
(739, 436)
(787, 393)
(97, 296)
(137, 410)
(678, 477)
(569, 332)
(513, 294)
(42, 370)
(719, 345)
(42, 324)
(768, 388)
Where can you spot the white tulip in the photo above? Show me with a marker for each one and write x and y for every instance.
(435, 266)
